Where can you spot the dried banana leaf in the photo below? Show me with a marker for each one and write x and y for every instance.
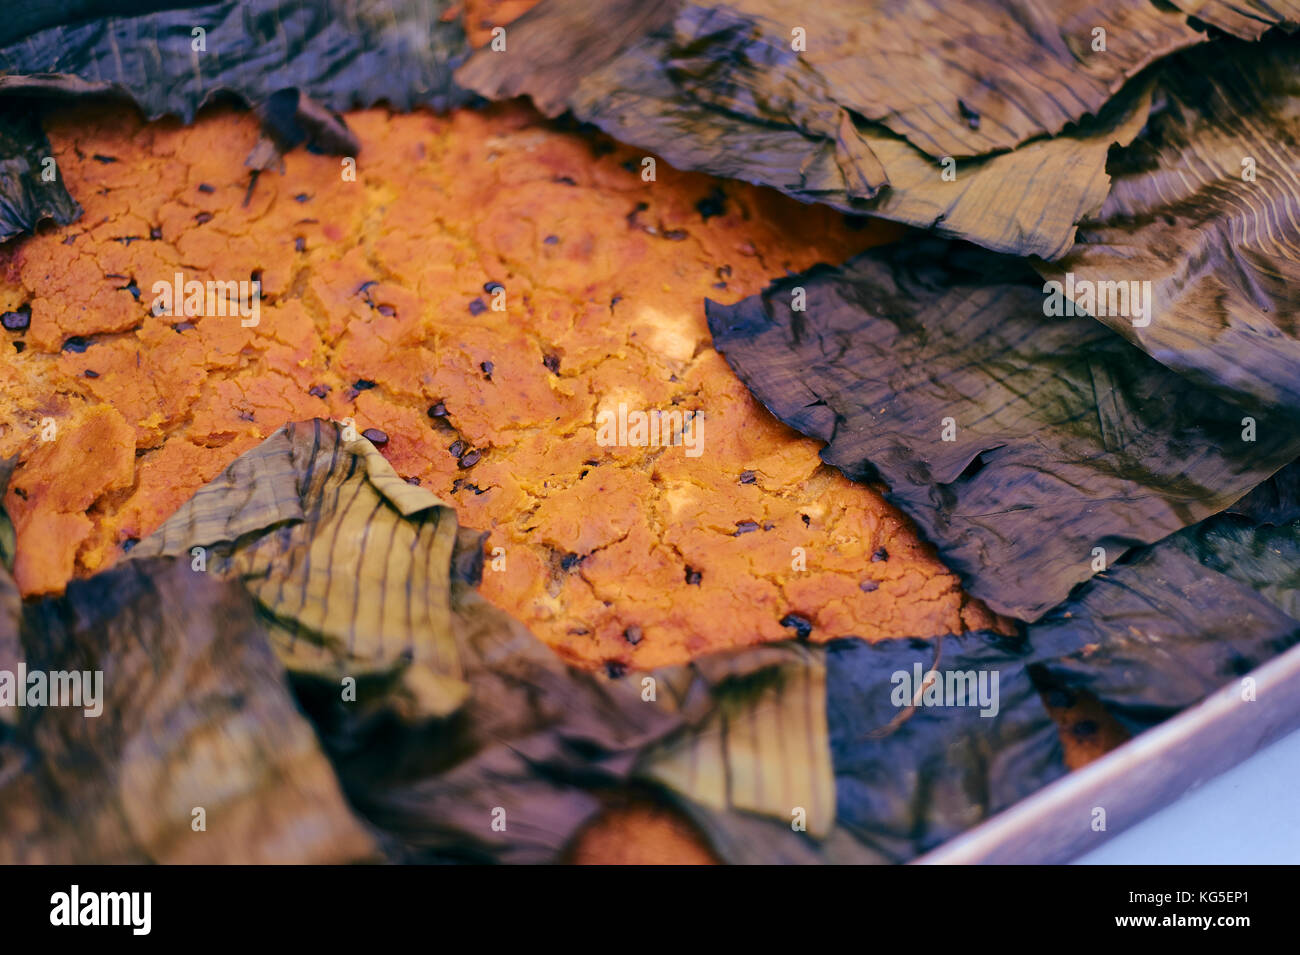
(1020, 443)
(195, 716)
(1206, 208)
(1276, 501)
(958, 82)
(31, 188)
(1024, 202)
(909, 770)
(1182, 619)
(341, 53)
(514, 773)
(720, 89)
(909, 779)
(763, 750)
(350, 563)
(953, 83)
(1248, 19)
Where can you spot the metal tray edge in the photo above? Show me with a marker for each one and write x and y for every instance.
(1055, 824)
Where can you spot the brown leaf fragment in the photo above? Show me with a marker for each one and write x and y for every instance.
(194, 714)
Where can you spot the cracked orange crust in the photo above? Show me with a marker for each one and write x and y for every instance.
(373, 281)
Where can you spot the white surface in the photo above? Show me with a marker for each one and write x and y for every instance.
(1250, 814)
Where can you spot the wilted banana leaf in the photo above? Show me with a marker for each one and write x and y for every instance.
(1026, 201)
(764, 749)
(849, 121)
(1205, 207)
(913, 760)
(952, 82)
(1276, 501)
(958, 82)
(184, 744)
(511, 776)
(1031, 450)
(341, 53)
(1182, 619)
(1248, 19)
(350, 563)
(30, 186)
(976, 740)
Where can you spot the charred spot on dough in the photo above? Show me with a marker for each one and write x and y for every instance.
(714, 204)
(19, 320)
(801, 625)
